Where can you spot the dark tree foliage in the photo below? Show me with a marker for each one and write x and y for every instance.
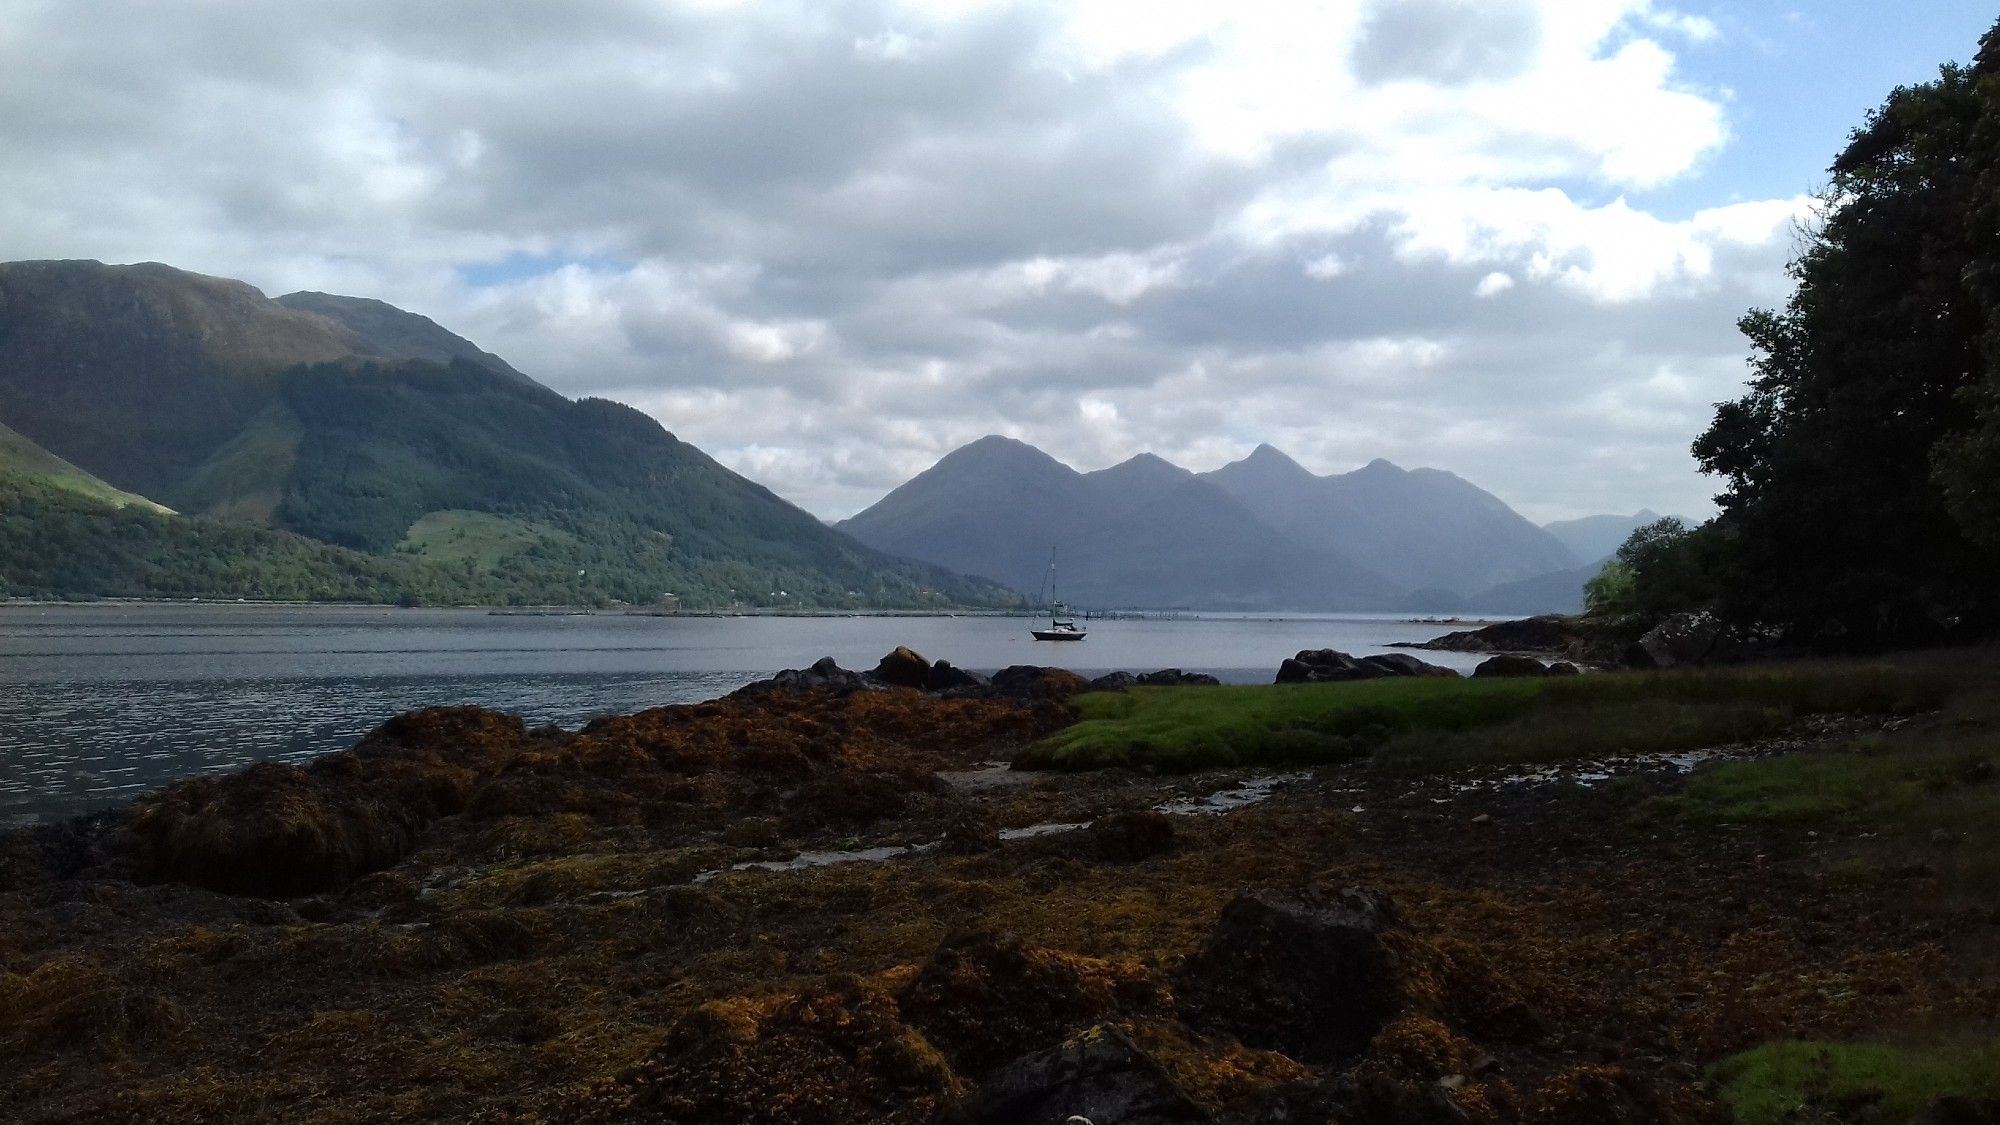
(1852, 463)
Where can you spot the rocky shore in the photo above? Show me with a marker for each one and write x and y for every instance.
(466, 919)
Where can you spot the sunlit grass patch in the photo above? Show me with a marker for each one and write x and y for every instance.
(1801, 1082)
(1416, 726)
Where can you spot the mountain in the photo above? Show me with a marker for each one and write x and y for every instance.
(1141, 533)
(354, 424)
(387, 332)
(1597, 537)
(1558, 591)
(1420, 528)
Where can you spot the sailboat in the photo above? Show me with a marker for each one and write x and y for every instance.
(1062, 627)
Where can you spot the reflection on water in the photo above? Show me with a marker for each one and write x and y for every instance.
(98, 703)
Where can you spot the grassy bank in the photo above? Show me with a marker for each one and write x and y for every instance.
(1802, 1083)
(1417, 726)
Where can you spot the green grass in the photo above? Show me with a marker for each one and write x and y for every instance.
(1417, 726)
(1796, 1083)
(482, 539)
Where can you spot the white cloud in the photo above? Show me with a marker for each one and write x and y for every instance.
(830, 243)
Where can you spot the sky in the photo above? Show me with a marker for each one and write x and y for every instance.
(830, 241)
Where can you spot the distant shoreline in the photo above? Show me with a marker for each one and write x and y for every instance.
(760, 611)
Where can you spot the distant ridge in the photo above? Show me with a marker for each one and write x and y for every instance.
(1141, 533)
(1421, 528)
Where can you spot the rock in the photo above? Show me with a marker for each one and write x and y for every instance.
(1325, 665)
(1483, 820)
(984, 999)
(903, 667)
(1027, 681)
(1509, 666)
(840, 1056)
(1564, 668)
(1403, 664)
(1101, 1076)
(1113, 681)
(1307, 976)
(943, 677)
(1551, 632)
(1127, 837)
(969, 835)
(1174, 677)
(824, 675)
(1682, 639)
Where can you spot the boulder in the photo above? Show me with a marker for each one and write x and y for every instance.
(1403, 664)
(823, 675)
(1174, 677)
(1325, 665)
(1127, 837)
(1113, 681)
(1683, 639)
(984, 999)
(1308, 975)
(1506, 665)
(944, 677)
(1564, 668)
(903, 667)
(1101, 1076)
(1027, 681)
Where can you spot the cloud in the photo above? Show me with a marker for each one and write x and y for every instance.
(830, 241)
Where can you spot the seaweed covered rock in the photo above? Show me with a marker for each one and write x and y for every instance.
(984, 998)
(279, 831)
(835, 1058)
(1100, 1076)
(1308, 976)
(1029, 681)
(1127, 837)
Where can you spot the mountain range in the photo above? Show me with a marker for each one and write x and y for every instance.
(164, 428)
(1259, 533)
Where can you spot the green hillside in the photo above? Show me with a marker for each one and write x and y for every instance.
(369, 429)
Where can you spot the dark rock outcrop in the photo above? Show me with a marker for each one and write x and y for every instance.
(944, 677)
(1325, 665)
(1174, 677)
(903, 667)
(1308, 976)
(1028, 681)
(1127, 837)
(1507, 665)
(1101, 1076)
(986, 998)
(824, 675)
(1113, 681)
(1683, 639)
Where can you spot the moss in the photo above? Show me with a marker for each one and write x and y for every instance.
(1801, 1081)
(1418, 726)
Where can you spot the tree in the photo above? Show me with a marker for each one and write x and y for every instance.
(1835, 522)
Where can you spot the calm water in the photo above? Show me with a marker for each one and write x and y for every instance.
(98, 703)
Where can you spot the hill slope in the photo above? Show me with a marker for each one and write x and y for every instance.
(1420, 528)
(23, 460)
(1143, 533)
(358, 425)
